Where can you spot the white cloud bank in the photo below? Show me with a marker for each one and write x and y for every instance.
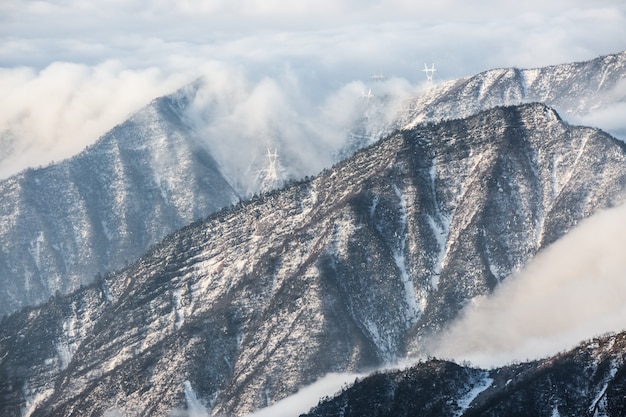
(70, 70)
(573, 290)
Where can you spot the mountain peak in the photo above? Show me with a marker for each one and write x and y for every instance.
(92, 213)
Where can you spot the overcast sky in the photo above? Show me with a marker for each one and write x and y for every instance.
(70, 69)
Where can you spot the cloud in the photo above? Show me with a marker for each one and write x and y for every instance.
(74, 68)
(539, 32)
(573, 290)
(54, 113)
(195, 406)
(609, 117)
(239, 118)
(308, 397)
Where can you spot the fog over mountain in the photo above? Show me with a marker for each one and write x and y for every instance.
(571, 291)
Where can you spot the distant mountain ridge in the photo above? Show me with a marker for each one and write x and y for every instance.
(573, 89)
(343, 272)
(63, 224)
(576, 90)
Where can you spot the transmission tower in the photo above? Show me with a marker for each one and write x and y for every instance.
(430, 72)
(272, 174)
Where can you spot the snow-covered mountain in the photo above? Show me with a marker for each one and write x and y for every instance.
(589, 380)
(63, 224)
(575, 90)
(589, 92)
(345, 271)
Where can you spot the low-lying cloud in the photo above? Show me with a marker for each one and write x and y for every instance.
(240, 119)
(609, 117)
(308, 397)
(573, 290)
(54, 113)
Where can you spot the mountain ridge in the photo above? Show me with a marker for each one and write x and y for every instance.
(588, 380)
(344, 271)
(573, 89)
(63, 224)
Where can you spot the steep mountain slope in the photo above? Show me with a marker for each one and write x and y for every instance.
(341, 272)
(587, 381)
(61, 225)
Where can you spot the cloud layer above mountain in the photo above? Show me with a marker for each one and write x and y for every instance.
(71, 70)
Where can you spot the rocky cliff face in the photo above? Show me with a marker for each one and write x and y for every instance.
(587, 381)
(62, 225)
(345, 271)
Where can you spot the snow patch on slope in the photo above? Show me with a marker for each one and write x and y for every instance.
(35, 249)
(481, 385)
(178, 311)
(385, 345)
(33, 399)
(599, 404)
(413, 309)
(529, 77)
(440, 225)
(195, 407)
